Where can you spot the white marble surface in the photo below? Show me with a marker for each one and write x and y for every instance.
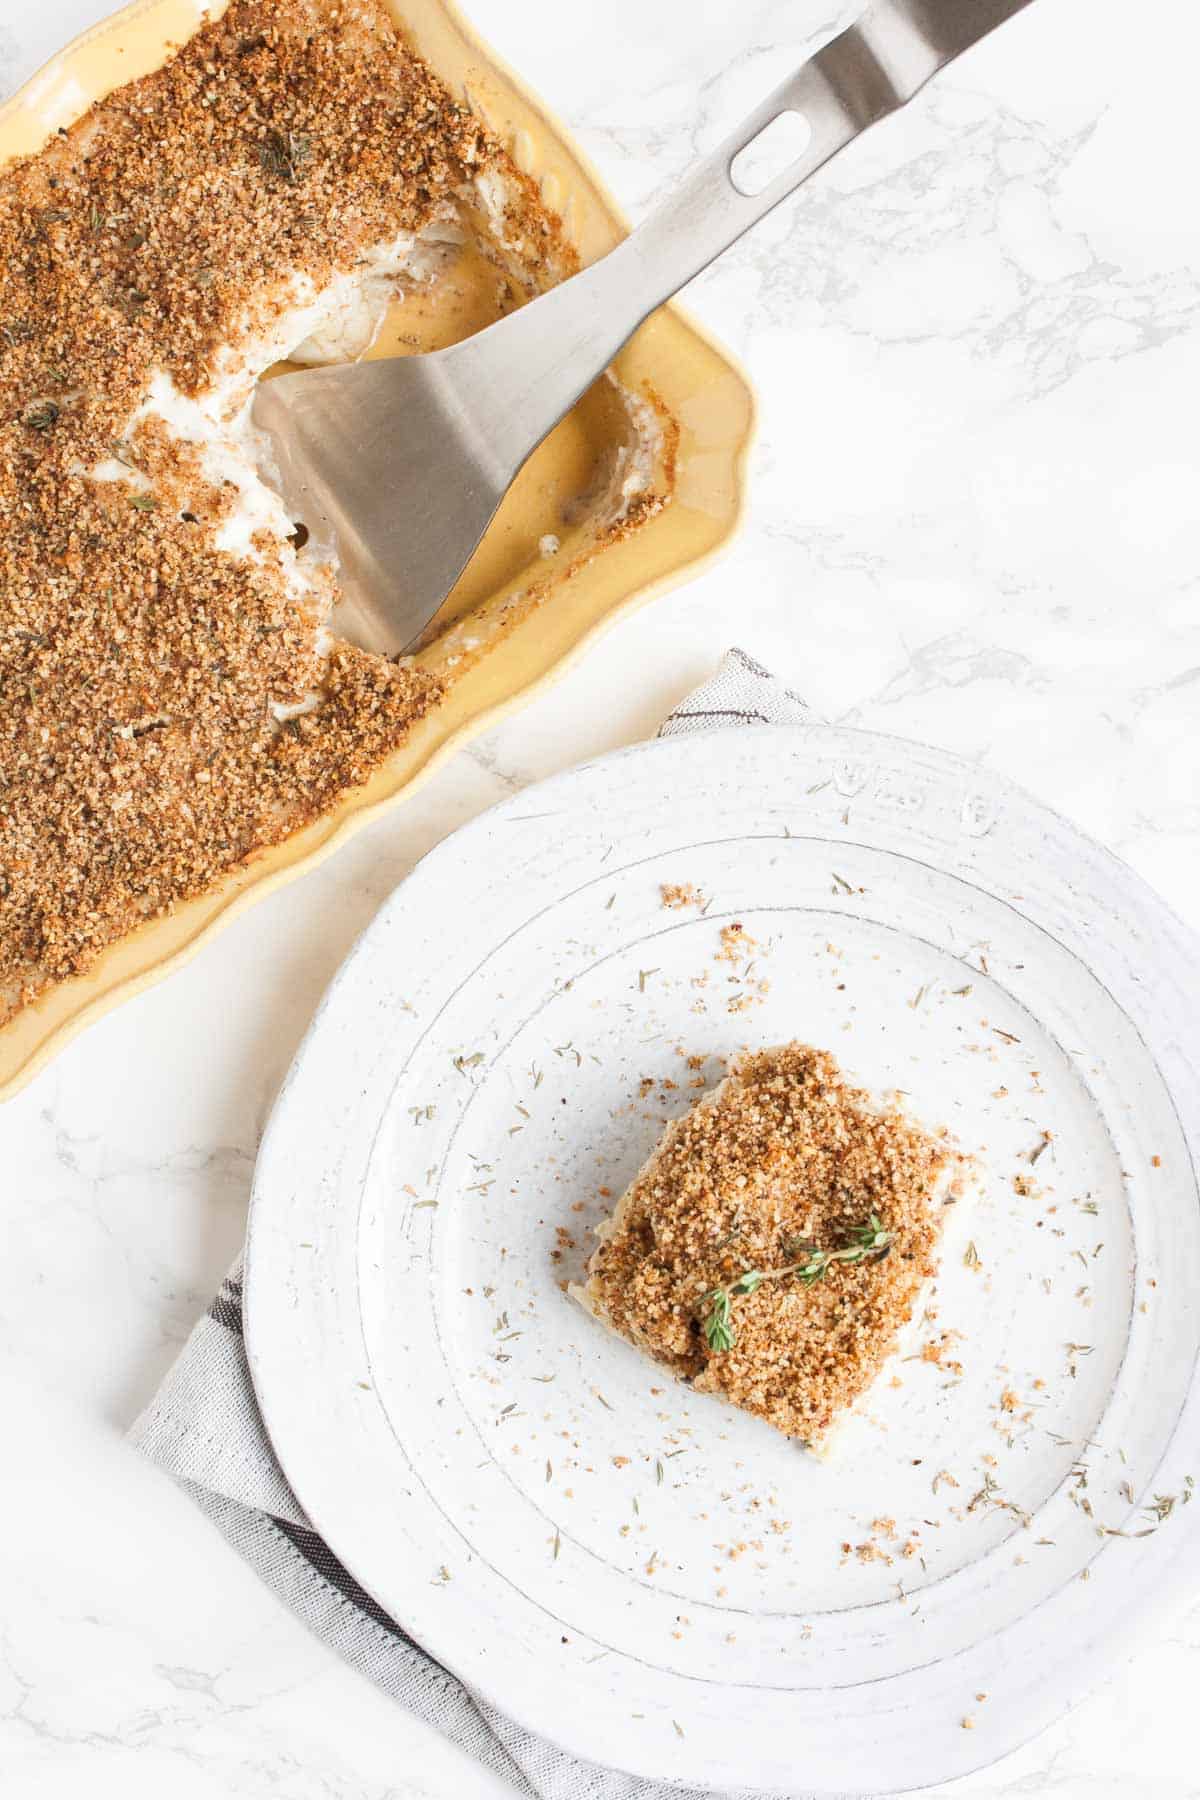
(975, 520)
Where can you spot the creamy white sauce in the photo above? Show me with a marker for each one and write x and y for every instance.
(635, 460)
(339, 323)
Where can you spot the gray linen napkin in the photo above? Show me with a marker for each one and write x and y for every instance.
(203, 1427)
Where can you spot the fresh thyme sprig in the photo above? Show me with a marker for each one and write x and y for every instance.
(867, 1242)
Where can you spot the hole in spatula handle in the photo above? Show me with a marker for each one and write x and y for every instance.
(769, 154)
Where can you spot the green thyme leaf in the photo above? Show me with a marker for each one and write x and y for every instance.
(718, 1324)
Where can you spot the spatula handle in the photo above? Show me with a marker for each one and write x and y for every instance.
(872, 69)
(555, 348)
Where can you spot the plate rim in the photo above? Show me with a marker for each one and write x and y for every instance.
(1091, 1660)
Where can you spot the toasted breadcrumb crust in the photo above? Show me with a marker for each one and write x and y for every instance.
(143, 669)
(783, 1153)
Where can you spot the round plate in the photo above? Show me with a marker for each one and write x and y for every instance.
(641, 1574)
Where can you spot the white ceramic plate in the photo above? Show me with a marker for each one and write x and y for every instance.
(633, 1570)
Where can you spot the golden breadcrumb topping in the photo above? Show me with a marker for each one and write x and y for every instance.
(148, 675)
(773, 1246)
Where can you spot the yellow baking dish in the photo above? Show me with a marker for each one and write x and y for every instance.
(698, 383)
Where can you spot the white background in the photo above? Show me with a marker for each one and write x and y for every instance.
(975, 519)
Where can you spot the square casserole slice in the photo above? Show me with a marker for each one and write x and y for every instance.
(775, 1243)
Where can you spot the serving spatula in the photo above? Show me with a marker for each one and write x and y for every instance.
(401, 462)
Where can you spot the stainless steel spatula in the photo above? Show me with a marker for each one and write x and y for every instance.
(402, 462)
